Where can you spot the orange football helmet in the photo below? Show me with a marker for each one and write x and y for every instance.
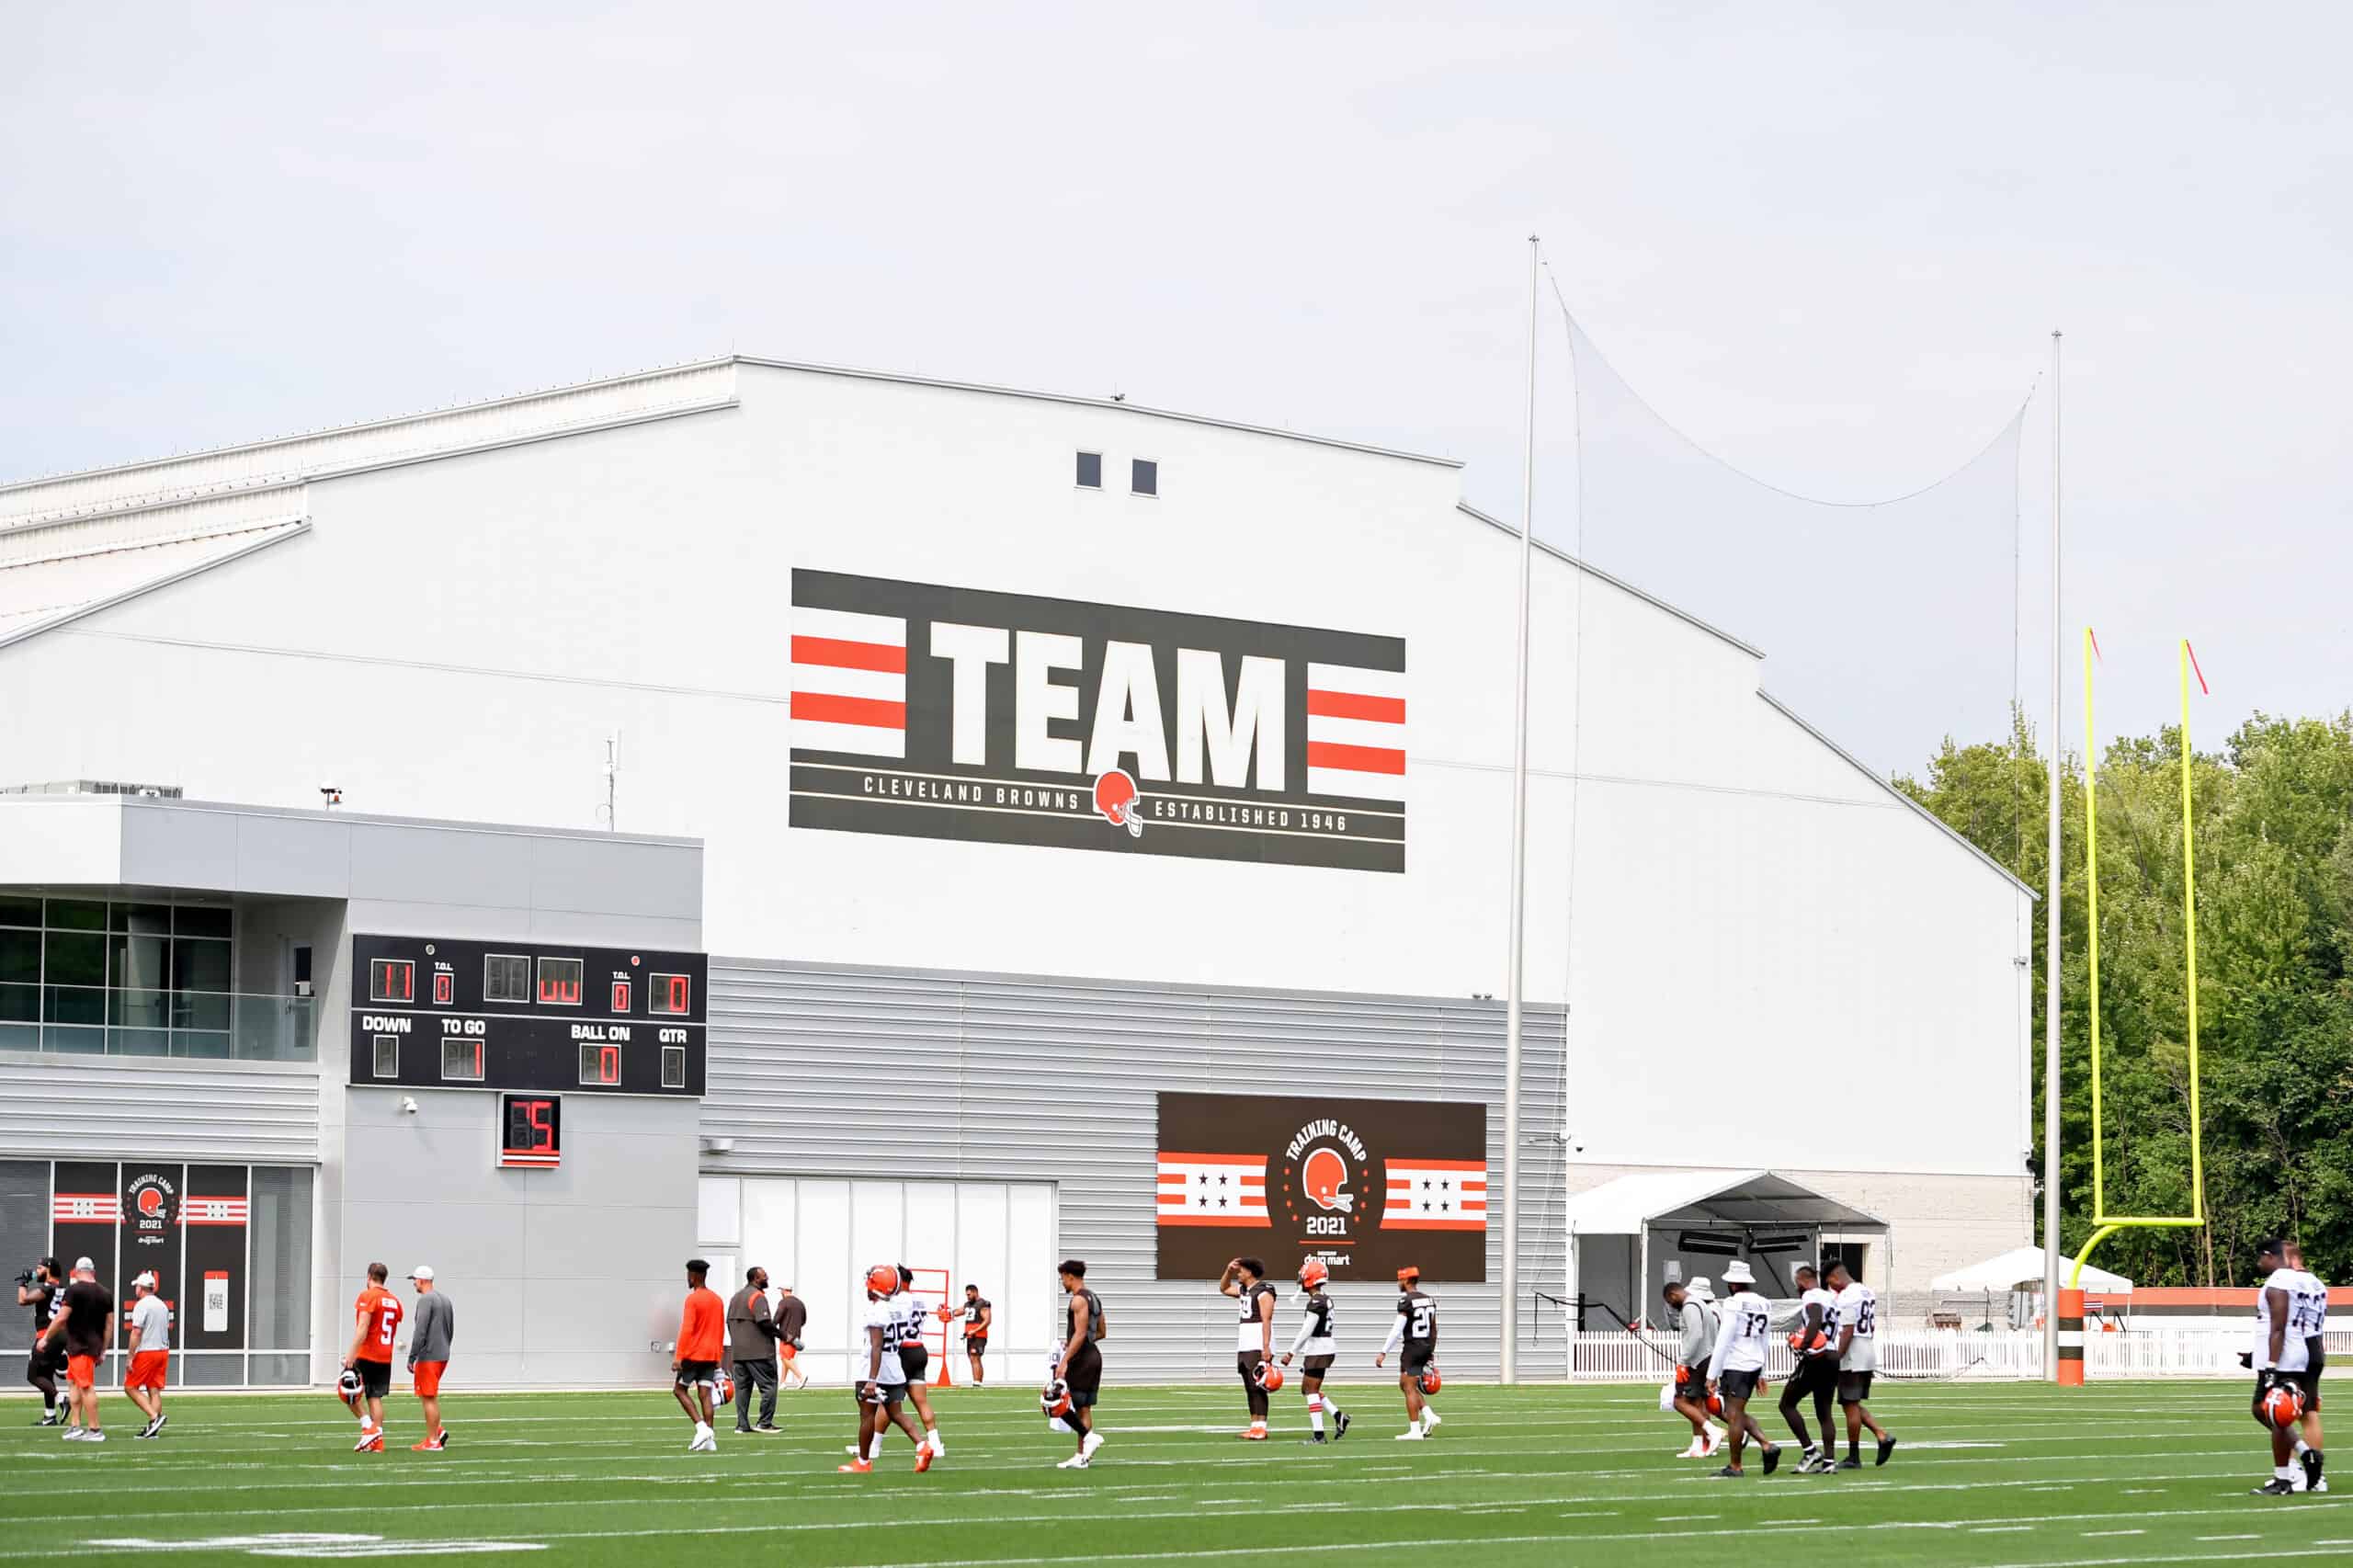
(2283, 1406)
(1431, 1381)
(1313, 1273)
(1270, 1377)
(882, 1280)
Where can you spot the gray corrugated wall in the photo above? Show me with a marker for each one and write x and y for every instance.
(106, 1107)
(849, 1072)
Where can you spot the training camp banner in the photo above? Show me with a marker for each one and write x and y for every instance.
(1368, 1185)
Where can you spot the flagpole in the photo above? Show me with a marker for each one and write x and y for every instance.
(2050, 936)
(1515, 980)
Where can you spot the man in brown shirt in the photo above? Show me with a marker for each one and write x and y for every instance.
(792, 1317)
(751, 1340)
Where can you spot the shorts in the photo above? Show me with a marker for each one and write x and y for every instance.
(917, 1359)
(81, 1370)
(785, 1350)
(147, 1370)
(974, 1343)
(1416, 1360)
(1316, 1366)
(886, 1394)
(1084, 1375)
(46, 1362)
(375, 1378)
(1815, 1373)
(1738, 1385)
(1247, 1362)
(427, 1376)
(1691, 1383)
(1854, 1387)
(692, 1374)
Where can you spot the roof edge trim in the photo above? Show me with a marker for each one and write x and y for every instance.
(23, 633)
(1590, 570)
(1923, 812)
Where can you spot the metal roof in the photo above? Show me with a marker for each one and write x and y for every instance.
(1633, 1204)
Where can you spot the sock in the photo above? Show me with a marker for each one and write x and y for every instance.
(1429, 1418)
(2301, 1447)
(1315, 1415)
(2284, 1471)
(1854, 1447)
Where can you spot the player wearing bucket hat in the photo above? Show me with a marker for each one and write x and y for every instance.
(1737, 1369)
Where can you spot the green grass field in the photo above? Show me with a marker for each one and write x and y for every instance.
(1988, 1474)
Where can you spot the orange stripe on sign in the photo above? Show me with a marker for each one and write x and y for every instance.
(1243, 1221)
(1479, 1165)
(848, 655)
(823, 707)
(1166, 1158)
(1355, 705)
(1356, 759)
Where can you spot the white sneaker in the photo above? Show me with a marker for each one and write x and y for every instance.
(95, 1437)
(1411, 1435)
(74, 1433)
(1429, 1422)
(1076, 1462)
(1086, 1449)
(704, 1443)
(1692, 1450)
(1715, 1441)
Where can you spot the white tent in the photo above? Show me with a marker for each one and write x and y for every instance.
(2022, 1267)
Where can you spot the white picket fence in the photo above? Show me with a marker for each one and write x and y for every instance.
(2005, 1356)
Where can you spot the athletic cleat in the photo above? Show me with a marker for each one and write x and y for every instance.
(1339, 1424)
(1076, 1462)
(2311, 1460)
(1256, 1435)
(1886, 1447)
(1429, 1421)
(1715, 1440)
(74, 1434)
(1313, 1439)
(95, 1437)
(1849, 1464)
(1692, 1450)
(768, 1429)
(855, 1467)
(1728, 1472)
(1411, 1435)
(51, 1419)
(923, 1458)
(1772, 1457)
(2276, 1487)
(704, 1443)
(1086, 1449)
(370, 1443)
(155, 1427)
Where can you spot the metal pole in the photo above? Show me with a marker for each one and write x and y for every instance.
(2050, 936)
(1514, 978)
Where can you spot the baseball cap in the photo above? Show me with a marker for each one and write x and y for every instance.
(422, 1271)
(1738, 1273)
(147, 1279)
(84, 1265)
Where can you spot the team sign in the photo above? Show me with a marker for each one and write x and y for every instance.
(940, 712)
(1368, 1185)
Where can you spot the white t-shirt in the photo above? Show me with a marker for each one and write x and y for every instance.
(2293, 1357)
(153, 1321)
(1858, 1310)
(1741, 1342)
(1818, 1297)
(882, 1315)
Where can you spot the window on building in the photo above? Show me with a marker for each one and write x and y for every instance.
(1848, 1253)
(1144, 477)
(1090, 471)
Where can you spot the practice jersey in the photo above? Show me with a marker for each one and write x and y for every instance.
(1739, 1342)
(973, 1311)
(1858, 1310)
(1250, 1336)
(2294, 1356)
(1094, 1317)
(2308, 1305)
(377, 1311)
(1818, 1297)
(1316, 1334)
(1418, 1315)
(152, 1321)
(918, 1320)
(886, 1315)
(47, 1299)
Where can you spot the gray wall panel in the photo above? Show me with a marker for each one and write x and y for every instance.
(105, 1107)
(834, 1071)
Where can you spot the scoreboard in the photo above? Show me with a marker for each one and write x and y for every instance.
(532, 1016)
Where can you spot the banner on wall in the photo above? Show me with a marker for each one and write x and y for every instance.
(1368, 1185)
(85, 1211)
(213, 1220)
(945, 712)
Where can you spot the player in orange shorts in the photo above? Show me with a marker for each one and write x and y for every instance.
(428, 1352)
(86, 1322)
(150, 1353)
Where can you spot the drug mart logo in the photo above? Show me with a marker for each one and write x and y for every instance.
(939, 712)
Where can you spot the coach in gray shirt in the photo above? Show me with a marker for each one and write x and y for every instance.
(751, 1339)
(433, 1323)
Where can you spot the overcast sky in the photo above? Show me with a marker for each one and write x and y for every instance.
(1828, 241)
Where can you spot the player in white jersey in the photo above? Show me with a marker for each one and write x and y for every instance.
(1813, 1340)
(881, 1381)
(1858, 1346)
(1737, 1367)
(2279, 1355)
(914, 1358)
(1321, 1343)
(2308, 1307)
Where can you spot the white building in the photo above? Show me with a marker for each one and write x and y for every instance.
(944, 989)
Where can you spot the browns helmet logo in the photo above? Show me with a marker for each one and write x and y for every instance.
(1325, 1179)
(1116, 796)
(151, 1202)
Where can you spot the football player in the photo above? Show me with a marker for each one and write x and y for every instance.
(1814, 1341)
(2279, 1356)
(2309, 1306)
(977, 1315)
(1078, 1365)
(1245, 1280)
(1738, 1365)
(703, 1344)
(1857, 1348)
(1317, 1338)
(1417, 1330)
(883, 1385)
(915, 1356)
(376, 1318)
(1697, 1316)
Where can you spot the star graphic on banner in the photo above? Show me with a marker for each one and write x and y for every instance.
(1220, 1202)
(1444, 1185)
(1442, 1208)
(1426, 1205)
(1205, 1178)
(1426, 1184)
(1221, 1181)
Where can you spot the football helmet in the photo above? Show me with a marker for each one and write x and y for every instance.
(882, 1280)
(1431, 1383)
(347, 1388)
(1805, 1342)
(2282, 1406)
(1054, 1400)
(722, 1390)
(1269, 1376)
(1313, 1273)
(1715, 1404)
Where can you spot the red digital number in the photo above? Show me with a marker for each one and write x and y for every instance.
(560, 992)
(609, 1064)
(444, 988)
(673, 993)
(392, 979)
(621, 995)
(542, 1134)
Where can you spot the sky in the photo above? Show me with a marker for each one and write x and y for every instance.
(1826, 244)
